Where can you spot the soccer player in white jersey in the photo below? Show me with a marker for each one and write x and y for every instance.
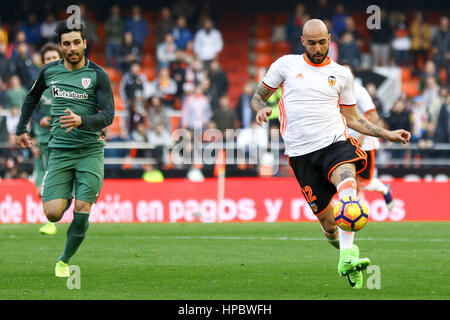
(316, 106)
(366, 178)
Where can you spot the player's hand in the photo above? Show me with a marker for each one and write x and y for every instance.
(70, 121)
(45, 122)
(263, 115)
(24, 140)
(400, 135)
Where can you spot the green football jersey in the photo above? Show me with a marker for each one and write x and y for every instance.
(43, 133)
(86, 92)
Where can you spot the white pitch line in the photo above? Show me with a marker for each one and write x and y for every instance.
(263, 238)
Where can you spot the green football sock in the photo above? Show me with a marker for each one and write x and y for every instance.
(75, 235)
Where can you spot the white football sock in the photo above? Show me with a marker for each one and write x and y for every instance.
(345, 239)
(376, 185)
(347, 188)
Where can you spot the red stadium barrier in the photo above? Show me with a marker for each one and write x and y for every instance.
(246, 199)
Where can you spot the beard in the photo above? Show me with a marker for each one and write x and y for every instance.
(316, 59)
(74, 58)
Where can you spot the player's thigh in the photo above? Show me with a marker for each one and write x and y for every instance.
(343, 159)
(58, 178)
(89, 176)
(316, 189)
(326, 218)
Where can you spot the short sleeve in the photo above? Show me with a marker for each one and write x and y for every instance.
(363, 100)
(274, 76)
(347, 96)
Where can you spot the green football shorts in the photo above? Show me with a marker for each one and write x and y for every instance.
(73, 171)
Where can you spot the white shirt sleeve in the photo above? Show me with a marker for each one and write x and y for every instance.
(363, 100)
(274, 76)
(347, 96)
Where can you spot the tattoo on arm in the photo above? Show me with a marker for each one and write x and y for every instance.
(373, 129)
(260, 97)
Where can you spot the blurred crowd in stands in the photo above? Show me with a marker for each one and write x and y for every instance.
(167, 63)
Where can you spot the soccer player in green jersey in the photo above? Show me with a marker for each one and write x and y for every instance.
(41, 127)
(82, 106)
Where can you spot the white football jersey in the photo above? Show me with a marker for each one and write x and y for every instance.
(312, 95)
(364, 104)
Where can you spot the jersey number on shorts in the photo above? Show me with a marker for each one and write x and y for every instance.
(308, 193)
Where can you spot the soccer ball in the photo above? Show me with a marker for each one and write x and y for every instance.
(351, 214)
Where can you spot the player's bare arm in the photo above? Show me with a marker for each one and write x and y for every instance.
(258, 103)
(373, 117)
(364, 126)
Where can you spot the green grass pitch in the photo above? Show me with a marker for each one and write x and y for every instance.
(279, 261)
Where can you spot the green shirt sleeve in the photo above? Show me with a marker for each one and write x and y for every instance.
(31, 100)
(105, 102)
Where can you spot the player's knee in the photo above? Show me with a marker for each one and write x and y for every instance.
(53, 215)
(82, 206)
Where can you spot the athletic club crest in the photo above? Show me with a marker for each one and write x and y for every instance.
(87, 81)
(331, 80)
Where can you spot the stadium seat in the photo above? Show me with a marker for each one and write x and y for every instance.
(148, 60)
(114, 75)
(263, 46)
(406, 74)
(263, 60)
(411, 88)
(281, 18)
(264, 19)
(149, 73)
(264, 32)
(282, 48)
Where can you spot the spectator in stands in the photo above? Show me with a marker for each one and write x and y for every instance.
(322, 10)
(189, 54)
(431, 99)
(224, 116)
(161, 138)
(178, 70)
(349, 51)
(333, 48)
(137, 26)
(244, 111)
(5, 65)
(20, 38)
(48, 28)
(157, 113)
(350, 27)
(294, 29)
(13, 119)
(15, 95)
(251, 139)
(441, 46)
(401, 44)
(130, 52)
(36, 66)
(208, 42)
(114, 26)
(196, 110)
(3, 129)
(186, 9)
(139, 134)
(420, 40)
(166, 51)
(195, 74)
(399, 117)
(429, 71)
(218, 82)
(164, 25)
(116, 153)
(89, 29)
(442, 132)
(14, 159)
(165, 88)
(181, 33)
(338, 19)
(132, 84)
(3, 34)
(381, 38)
(32, 30)
(22, 63)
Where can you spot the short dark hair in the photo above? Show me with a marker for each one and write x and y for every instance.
(49, 46)
(62, 27)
